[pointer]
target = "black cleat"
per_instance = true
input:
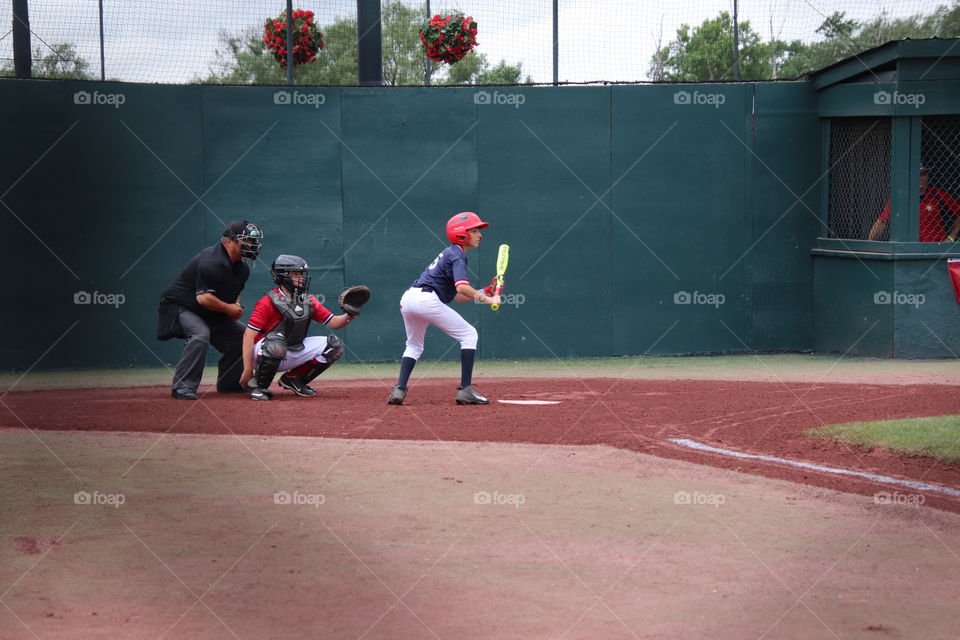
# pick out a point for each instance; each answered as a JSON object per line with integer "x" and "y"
{"x": 183, "y": 394}
{"x": 296, "y": 385}
{"x": 397, "y": 395}
{"x": 469, "y": 395}
{"x": 261, "y": 394}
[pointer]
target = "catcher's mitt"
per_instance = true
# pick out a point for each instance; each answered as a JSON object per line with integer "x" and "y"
{"x": 352, "y": 299}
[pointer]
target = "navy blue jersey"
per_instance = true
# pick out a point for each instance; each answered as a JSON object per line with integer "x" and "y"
{"x": 445, "y": 273}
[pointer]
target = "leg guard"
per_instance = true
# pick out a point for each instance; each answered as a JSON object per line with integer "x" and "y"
{"x": 334, "y": 349}
{"x": 331, "y": 353}
{"x": 272, "y": 352}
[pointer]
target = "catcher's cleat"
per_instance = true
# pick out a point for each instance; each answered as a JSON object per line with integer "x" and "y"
{"x": 261, "y": 394}
{"x": 296, "y": 385}
{"x": 397, "y": 395}
{"x": 469, "y": 395}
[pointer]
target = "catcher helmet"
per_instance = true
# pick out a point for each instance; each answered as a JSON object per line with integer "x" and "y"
{"x": 283, "y": 269}
{"x": 458, "y": 225}
{"x": 247, "y": 235}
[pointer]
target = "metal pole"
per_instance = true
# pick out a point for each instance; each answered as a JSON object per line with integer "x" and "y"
{"x": 556, "y": 42}
{"x": 103, "y": 67}
{"x": 369, "y": 45}
{"x": 736, "y": 44}
{"x": 426, "y": 75}
{"x": 290, "y": 61}
{"x": 22, "y": 58}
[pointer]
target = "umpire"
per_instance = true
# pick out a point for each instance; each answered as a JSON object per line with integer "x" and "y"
{"x": 203, "y": 306}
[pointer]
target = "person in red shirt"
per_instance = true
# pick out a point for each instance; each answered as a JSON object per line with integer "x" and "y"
{"x": 276, "y": 334}
{"x": 939, "y": 214}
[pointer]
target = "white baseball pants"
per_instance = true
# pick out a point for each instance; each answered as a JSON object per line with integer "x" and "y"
{"x": 420, "y": 309}
{"x": 312, "y": 347}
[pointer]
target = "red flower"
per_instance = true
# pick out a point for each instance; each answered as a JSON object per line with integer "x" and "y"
{"x": 448, "y": 38}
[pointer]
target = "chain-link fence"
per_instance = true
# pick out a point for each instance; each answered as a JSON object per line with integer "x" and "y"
{"x": 181, "y": 41}
{"x": 939, "y": 178}
{"x": 859, "y": 178}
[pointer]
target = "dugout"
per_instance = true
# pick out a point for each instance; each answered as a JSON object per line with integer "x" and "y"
{"x": 886, "y": 115}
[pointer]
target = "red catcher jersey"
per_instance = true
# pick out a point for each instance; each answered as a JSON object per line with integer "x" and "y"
{"x": 266, "y": 317}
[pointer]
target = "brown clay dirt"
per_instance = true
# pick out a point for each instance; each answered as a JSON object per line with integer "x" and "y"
{"x": 768, "y": 418}
{"x": 426, "y": 539}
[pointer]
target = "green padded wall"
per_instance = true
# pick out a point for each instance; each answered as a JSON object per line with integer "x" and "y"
{"x": 613, "y": 199}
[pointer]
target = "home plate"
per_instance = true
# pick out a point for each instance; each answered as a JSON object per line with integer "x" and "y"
{"x": 529, "y": 401}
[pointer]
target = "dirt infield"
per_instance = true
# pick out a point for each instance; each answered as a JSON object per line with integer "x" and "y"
{"x": 185, "y": 537}
{"x": 639, "y": 415}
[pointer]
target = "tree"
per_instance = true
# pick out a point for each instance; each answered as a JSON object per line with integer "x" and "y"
{"x": 61, "y": 62}
{"x": 475, "y": 69}
{"x": 244, "y": 59}
{"x": 844, "y": 38}
{"x": 705, "y": 53}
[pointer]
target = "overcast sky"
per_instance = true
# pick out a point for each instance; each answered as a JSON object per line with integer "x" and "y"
{"x": 174, "y": 40}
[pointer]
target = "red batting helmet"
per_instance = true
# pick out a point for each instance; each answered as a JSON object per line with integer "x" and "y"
{"x": 459, "y": 224}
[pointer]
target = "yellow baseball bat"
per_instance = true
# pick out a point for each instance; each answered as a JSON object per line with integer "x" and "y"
{"x": 503, "y": 257}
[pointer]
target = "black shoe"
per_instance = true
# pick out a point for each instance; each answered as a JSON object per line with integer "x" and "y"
{"x": 397, "y": 395}
{"x": 469, "y": 395}
{"x": 233, "y": 389}
{"x": 261, "y": 394}
{"x": 183, "y": 394}
{"x": 296, "y": 385}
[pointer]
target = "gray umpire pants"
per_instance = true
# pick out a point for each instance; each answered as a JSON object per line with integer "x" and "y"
{"x": 225, "y": 335}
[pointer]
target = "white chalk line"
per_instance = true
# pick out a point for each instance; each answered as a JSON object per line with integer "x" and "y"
{"x": 920, "y": 486}
{"x": 529, "y": 401}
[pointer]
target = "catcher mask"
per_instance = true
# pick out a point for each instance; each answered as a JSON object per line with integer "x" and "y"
{"x": 285, "y": 271}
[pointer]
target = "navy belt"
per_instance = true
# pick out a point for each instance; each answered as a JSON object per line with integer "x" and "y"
{"x": 428, "y": 289}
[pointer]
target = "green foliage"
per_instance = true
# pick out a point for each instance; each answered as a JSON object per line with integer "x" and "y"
{"x": 845, "y": 38}
{"x": 60, "y": 62}
{"x": 243, "y": 59}
{"x": 705, "y": 53}
{"x": 475, "y": 69}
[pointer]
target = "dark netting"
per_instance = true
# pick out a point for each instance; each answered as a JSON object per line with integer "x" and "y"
{"x": 859, "y": 176}
{"x": 940, "y": 177}
{"x": 183, "y": 41}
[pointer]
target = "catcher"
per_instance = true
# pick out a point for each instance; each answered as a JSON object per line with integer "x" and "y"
{"x": 276, "y": 334}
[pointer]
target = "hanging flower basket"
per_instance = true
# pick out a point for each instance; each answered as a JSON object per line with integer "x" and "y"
{"x": 307, "y": 39}
{"x": 449, "y": 38}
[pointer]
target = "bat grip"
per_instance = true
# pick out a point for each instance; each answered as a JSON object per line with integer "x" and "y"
{"x": 496, "y": 292}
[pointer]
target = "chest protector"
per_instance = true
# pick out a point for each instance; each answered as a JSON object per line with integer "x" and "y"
{"x": 296, "y": 318}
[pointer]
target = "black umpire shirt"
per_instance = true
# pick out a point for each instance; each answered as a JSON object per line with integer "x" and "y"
{"x": 209, "y": 271}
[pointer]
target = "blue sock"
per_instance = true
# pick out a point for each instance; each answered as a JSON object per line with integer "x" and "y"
{"x": 406, "y": 368}
{"x": 467, "y": 356}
